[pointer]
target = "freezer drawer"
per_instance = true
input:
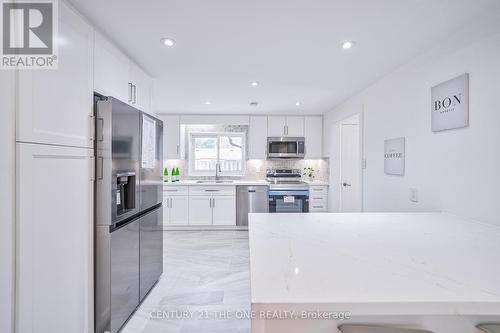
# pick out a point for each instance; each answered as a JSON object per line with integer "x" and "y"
{"x": 151, "y": 250}
{"x": 124, "y": 273}
{"x": 250, "y": 199}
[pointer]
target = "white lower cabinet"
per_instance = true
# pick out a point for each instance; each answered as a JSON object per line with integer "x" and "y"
{"x": 175, "y": 209}
{"x": 179, "y": 210}
{"x": 200, "y": 209}
{"x": 175, "y": 205}
{"x": 212, "y": 205}
{"x": 318, "y": 198}
{"x": 54, "y": 266}
{"x": 224, "y": 210}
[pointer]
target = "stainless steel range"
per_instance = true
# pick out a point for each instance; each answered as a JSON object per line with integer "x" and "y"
{"x": 287, "y": 192}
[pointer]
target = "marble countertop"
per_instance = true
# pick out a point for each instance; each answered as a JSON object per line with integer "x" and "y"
{"x": 375, "y": 263}
{"x": 234, "y": 182}
{"x": 213, "y": 183}
{"x": 316, "y": 182}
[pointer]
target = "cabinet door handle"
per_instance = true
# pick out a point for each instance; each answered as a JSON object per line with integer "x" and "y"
{"x": 130, "y": 92}
{"x": 177, "y": 149}
{"x": 214, "y": 203}
{"x": 171, "y": 202}
{"x": 134, "y": 89}
{"x": 210, "y": 203}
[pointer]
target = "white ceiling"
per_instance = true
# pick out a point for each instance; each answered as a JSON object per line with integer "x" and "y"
{"x": 290, "y": 46}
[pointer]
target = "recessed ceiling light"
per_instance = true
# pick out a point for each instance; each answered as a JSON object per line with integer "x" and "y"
{"x": 168, "y": 42}
{"x": 208, "y": 103}
{"x": 297, "y": 103}
{"x": 254, "y": 84}
{"x": 347, "y": 45}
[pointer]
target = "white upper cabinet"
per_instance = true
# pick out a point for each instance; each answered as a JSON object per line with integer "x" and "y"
{"x": 142, "y": 87}
{"x": 313, "y": 133}
{"x": 257, "y": 137}
{"x": 117, "y": 76}
{"x": 171, "y": 137}
{"x": 292, "y": 126}
{"x": 111, "y": 70}
{"x": 295, "y": 126}
{"x": 276, "y": 126}
{"x": 54, "y": 106}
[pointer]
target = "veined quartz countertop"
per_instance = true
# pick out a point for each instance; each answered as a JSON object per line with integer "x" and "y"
{"x": 233, "y": 182}
{"x": 375, "y": 263}
{"x": 214, "y": 183}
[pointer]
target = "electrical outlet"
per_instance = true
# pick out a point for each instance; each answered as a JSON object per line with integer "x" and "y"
{"x": 413, "y": 195}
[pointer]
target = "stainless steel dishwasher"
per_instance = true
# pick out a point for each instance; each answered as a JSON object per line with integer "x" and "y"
{"x": 250, "y": 199}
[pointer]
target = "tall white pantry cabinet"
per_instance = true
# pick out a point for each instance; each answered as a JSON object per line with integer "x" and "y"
{"x": 54, "y": 187}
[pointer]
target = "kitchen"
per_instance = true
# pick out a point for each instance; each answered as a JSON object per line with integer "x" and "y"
{"x": 266, "y": 166}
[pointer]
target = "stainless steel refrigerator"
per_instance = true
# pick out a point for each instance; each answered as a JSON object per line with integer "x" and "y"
{"x": 128, "y": 210}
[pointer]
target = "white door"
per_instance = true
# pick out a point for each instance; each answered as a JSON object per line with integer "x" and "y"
{"x": 313, "y": 133}
{"x": 179, "y": 210}
{"x": 54, "y": 239}
{"x": 200, "y": 209}
{"x": 111, "y": 70}
{"x": 141, "y": 98}
{"x": 276, "y": 126}
{"x": 55, "y": 105}
{"x": 171, "y": 137}
{"x": 257, "y": 137}
{"x": 295, "y": 126}
{"x": 224, "y": 210}
{"x": 350, "y": 167}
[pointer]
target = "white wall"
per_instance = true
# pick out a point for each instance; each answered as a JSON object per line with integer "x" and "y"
{"x": 7, "y": 163}
{"x": 456, "y": 171}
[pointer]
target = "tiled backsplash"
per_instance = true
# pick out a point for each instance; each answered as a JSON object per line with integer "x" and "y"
{"x": 256, "y": 169}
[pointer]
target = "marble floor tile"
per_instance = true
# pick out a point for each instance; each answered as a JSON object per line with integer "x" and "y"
{"x": 204, "y": 286}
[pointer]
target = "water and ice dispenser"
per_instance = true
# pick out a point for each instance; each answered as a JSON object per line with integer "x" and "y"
{"x": 125, "y": 192}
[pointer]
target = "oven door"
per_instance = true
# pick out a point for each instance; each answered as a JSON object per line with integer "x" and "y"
{"x": 286, "y": 201}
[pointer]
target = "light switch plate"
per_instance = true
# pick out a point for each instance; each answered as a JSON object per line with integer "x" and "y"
{"x": 413, "y": 195}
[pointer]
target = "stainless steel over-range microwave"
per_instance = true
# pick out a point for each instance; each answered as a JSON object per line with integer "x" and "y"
{"x": 285, "y": 147}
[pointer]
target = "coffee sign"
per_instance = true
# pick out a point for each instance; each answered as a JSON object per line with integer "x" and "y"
{"x": 450, "y": 104}
{"x": 394, "y": 156}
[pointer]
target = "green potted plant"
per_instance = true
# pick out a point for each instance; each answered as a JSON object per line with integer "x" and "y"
{"x": 309, "y": 173}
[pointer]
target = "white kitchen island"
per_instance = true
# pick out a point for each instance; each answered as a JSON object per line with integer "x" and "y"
{"x": 425, "y": 270}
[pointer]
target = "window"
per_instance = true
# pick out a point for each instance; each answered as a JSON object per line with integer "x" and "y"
{"x": 208, "y": 149}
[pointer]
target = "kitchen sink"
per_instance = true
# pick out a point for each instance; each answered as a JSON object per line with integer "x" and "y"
{"x": 214, "y": 181}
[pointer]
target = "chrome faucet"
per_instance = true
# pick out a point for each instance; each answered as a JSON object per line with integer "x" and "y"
{"x": 217, "y": 171}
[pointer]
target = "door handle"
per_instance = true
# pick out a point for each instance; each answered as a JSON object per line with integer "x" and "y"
{"x": 345, "y": 184}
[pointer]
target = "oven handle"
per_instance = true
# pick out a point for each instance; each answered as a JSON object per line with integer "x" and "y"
{"x": 288, "y": 193}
